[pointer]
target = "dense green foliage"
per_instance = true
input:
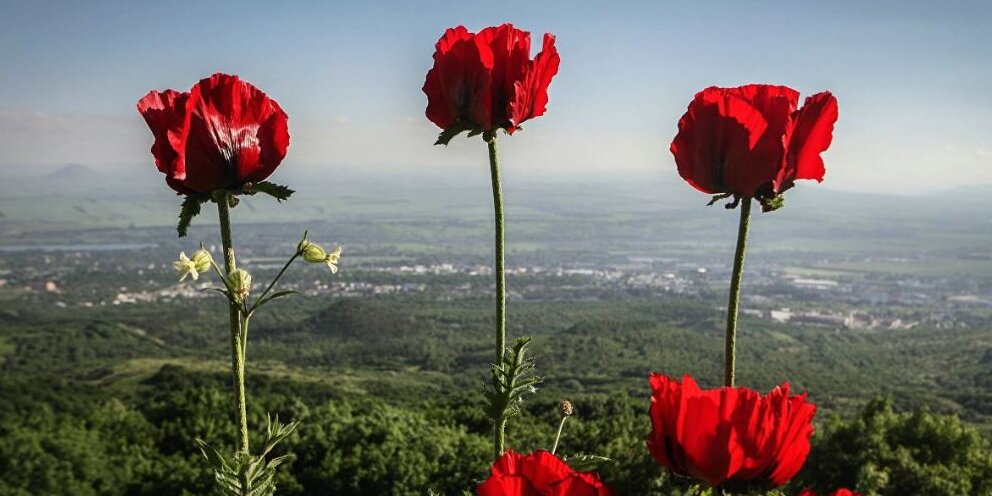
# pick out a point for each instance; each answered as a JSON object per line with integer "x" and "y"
{"x": 60, "y": 440}
{"x": 389, "y": 392}
{"x": 888, "y": 453}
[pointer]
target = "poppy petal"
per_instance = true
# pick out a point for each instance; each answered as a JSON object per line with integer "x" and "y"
{"x": 487, "y": 81}
{"x": 441, "y": 110}
{"x": 729, "y": 434}
{"x": 234, "y": 134}
{"x": 539, "y": 474}
{"x": 165, "y": 112}
{"x": 530, "y": 97}
{"x": 712, "y": 148}
{"x": 811, "y": 135}
{"x": 783, "y": 145}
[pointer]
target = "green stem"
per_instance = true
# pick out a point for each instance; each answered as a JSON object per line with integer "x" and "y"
{"x": 274, "y": 281}
{"x": 237, "y": 327}
{"x": 500, "y": 250}
{"x": 735, "y": 294}
{"x": 499, "y": 426}
{"x": 558, "y": 436}
{"x": 499, "y": 438}
{"x": 244, "y": 352}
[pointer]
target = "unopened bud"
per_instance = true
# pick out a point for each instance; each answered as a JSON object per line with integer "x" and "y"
{"x": 202, "y": 260}
{"x": 312, "y": 252}
{"x": 565, "y": 408}
{"x": 302, "y": 245}
{"x": 239, "y": 282}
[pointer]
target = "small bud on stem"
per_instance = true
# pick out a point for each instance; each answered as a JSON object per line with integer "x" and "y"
{"x": 239, "y": 281}
{"x": 314, "y": 253}
{"x": 566, "y": 410}
{"x": 202, "y": 260}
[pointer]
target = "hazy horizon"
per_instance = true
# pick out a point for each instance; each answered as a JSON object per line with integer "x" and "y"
{"x": 454, "y": 174}
{"x": 913, "y": 106}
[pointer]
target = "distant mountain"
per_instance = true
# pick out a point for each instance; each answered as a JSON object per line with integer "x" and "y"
{"x": 75, "y": 180}
{"x": 88, "y": 196}
{"x": 972, "y": 192}
{"x": 75, "y": 172}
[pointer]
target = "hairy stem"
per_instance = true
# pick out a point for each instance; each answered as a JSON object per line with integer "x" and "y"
{"x": 734, "y": 302}
{"x": 499, "y": 438}
{"x": 244, "y": 354}
{"x": 238, "y": 325}
{"x": 499, "y": 425}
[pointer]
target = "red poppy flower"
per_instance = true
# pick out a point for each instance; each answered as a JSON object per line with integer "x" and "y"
{"x": 222, "y": 134}
{"x": 539, "y": 474}
{"x": 839, "y": 492}
{"x": 487, "y": 81}
{"x": 752, "y": 141}
{"x": 731, "y": 435}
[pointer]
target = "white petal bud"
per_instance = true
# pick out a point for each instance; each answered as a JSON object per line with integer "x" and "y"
{"x": 185, "y": 267}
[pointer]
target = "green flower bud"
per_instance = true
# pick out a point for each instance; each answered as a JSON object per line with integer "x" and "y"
{"x": 313, "y": 253}
{"x": 303, "y": 244}
{"x": 186, "y": 267}
{"x": 202, "y": 260}
{"x": 240, "y": 284}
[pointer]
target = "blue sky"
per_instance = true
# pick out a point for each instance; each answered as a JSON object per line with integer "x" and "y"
{"x": 914, "y": 79}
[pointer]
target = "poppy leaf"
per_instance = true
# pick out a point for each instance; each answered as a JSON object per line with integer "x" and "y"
{"x": 449, "y": 134}
{"x": 717, "y": 198}
{"x": 511, "y": 380}
{"x": 190, "y": 209}
{"x": 277, "y": 191}
{"x": 583, "y": 462}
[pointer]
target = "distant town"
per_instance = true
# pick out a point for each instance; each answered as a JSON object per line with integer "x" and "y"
{"x": 803, "y": 291}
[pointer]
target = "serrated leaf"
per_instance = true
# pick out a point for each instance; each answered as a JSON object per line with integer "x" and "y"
{"x": 511, "y": 379}
{"x": 454, "y": 130}
{"x": 277, "y": 191}
{"x": 583, "y": 462}
{"x": 190, "y": 208}
{"x": 214, "y": 457}
{"x": 250, "y": 475}
{"x": 717, "y": 198}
